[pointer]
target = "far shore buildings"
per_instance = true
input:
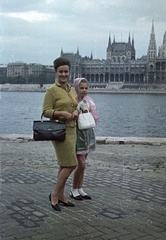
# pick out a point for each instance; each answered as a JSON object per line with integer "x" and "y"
{"x": 119, "y": 67}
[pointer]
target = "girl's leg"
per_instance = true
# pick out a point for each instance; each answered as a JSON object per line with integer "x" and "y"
{"x": 77, "y": 190}
{"x": 79, "y": 172}
{"x": 80, "y": 184}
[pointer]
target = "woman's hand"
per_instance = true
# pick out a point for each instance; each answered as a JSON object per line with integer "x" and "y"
{"x": 68, "y": 116}
{"x": 75, "y": 114}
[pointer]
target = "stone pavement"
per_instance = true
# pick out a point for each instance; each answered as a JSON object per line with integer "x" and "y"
{"x": 127, "y": 182}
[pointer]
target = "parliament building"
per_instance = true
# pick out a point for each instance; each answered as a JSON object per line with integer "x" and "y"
{"x": 121, "y": 67}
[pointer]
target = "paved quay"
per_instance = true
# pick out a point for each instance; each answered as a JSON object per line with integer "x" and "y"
{"x": 126, "y": 178}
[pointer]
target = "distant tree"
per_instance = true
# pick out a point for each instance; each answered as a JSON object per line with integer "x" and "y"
{"x": 4, "y": 79}
{"x": 42, "y": 79}
{"x": 50, "y": 78}
{"x": 31, "y": 79}
{"x": 20, "y": 80}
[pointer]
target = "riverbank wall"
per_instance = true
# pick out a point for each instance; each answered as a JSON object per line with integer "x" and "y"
{"x": 38, "y": 88}
{"x": 99, "y": 139}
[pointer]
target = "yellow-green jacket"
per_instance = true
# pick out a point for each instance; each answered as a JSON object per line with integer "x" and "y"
{"x": 58, "y": 99}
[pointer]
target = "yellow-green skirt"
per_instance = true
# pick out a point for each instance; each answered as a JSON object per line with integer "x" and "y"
{"x": 66, "y": 150}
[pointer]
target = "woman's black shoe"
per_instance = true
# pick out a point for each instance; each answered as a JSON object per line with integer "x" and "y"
{"x": 56, "y": 206}
{"x": 50, "y": 197}
{"x": 66, "y": 204}
{"x": 77, "y": 197}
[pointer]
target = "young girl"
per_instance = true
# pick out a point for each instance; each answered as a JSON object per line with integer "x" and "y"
{"x": 86, "y": 141}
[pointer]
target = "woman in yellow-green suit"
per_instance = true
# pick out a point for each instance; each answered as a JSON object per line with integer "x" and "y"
{"x": 60, "y": 103}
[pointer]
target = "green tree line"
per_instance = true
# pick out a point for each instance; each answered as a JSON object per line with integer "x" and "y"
{"x": 31, "y": 79}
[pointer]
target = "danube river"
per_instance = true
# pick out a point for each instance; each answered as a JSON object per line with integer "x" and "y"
{"x": 121, "y": 115}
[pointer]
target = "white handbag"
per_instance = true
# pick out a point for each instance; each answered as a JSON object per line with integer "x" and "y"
{"x": 85, "y": 120}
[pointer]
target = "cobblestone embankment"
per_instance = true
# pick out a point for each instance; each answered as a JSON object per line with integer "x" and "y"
{"x": 125, "y": 177}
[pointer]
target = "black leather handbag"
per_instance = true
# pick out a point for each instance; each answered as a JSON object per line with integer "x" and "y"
{"x": 49, "y": 130}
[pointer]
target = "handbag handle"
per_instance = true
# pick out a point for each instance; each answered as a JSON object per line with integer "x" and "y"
{"x": 56, "y": 120}
{"x": 81, "y": 111}
{"x": 42, "y": 115}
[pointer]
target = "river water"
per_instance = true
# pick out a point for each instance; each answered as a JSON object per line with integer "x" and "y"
{"x": 121, "y": 115}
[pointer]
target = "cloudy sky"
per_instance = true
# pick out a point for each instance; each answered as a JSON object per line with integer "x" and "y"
{"x": 34, "y": 31}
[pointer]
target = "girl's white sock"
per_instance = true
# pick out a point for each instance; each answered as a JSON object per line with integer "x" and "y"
{"x": 81, "y": 192}
{"x": 75, "y": 192}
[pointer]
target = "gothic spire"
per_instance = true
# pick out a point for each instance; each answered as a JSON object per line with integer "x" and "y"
{"x": 114, "y": 38}
{"x": 162, "y": 49}
{"x": 129, "y": 41}
{"x": 91, "y": 57}
{"x": 61, "y": 51}
{"x": 164, "y": 39}
{"x": 133, "y": 41}
{"x": 152, "y": 49}
{"x": 109, "y": 41}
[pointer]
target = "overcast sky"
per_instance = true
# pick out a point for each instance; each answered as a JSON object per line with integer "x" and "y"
{"x": 34, "y": 31}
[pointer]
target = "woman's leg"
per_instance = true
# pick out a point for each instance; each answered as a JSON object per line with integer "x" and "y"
{"x": 58, "y": 193}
